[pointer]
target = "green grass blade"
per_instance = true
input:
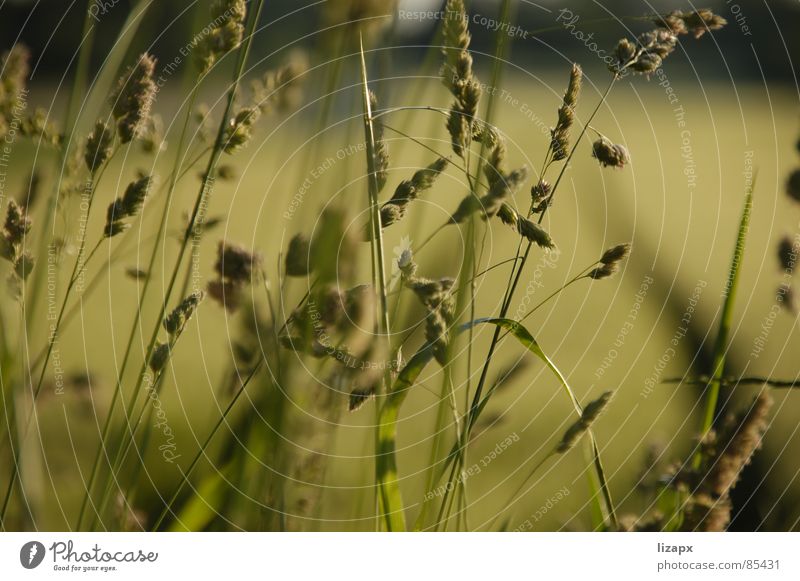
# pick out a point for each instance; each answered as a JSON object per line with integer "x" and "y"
{"x": 529, "y": 342}
{"x": 390, "y": 498}
{"x": 721, "y": 344}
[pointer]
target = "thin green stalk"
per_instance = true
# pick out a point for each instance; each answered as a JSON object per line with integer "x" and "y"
{"x": 136, "y": 319}
{"x": 477, "y": 399}
{"x": 78, "y": 85}
{"x": 185, "y": 475}
{"x": 204, "y": 192}
{"x": 390, "y": 504}
{"x": 726, "y": 320}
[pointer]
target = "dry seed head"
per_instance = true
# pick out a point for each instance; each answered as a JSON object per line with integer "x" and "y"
{"x": 697, "y": 22}
{"x": 228, "y": 18}
{"x": 235, "y": 264}
{"x": 407, "y": 191}
{"x": 159, "y": 357}
{"x": 502, "y": 189}
{"x": 458, "y": 128}
{"x": 495, "y": 165}
{"x": 15, "y": 70}
{"x": 226, "y": 172}
{"x": 660, "y": 42}
{"x": 468, "y": 206}
{"x": 134, "y": 96}
{"x": 240, "y": 129}
{"x": 17, "y": 224}
{"x": 226, "y": 293}
{"x": 705, "y": 513}
{"x": 653, "y": 48}
{"x": 737, "y": 446}
{"x": 229, "y": 10}
{"x": 423, "y": 179}
{"x": 793, "y": 185}
{"x": 610, "y": 154}
{"x": 436, "y": 335}
{"x": 616, "y": 254}
{"x": 482, "y": 133}
{"x": 23, "y": 265}
{"x": 175, "y": 322}
{"x": 390, "y": 213}
{"x": 407, "y": 266}
{"x": 98, "y": 146}
{"x": 456, "y": 32}
{"x": 787, "y": 254}
{"x": 647, "y": 64}
{"x": 152, "y": 135}
{"x": 785, "y": 296}
{"x": 625, "y": 53}
{"x": 534, "y": 233}
{"x": 126, "y": 206}
{"x": 603, "y": 271}
{"x": 539, "y": 191}
{"x": 590, "y": 414}
{"x": 298, "y": 262}
{"x": 431, "y": 293}
{"x": 508, "y": 215}
{"x": 566, "y": 115}
{"x": 135, "y": 273}
{"x": 381, "y": 147}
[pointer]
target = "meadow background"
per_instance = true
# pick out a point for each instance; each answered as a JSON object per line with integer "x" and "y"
{"x": 727, "y": 108}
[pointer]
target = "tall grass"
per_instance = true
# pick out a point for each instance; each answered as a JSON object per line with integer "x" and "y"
{"x": 316, "y": 327}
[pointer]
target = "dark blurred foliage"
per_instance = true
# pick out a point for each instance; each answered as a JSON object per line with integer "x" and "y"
{"x": 52, "y": 29}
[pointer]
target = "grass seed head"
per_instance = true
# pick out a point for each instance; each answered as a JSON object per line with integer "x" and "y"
{"x": 235, "y": 264}
{"x": 127, "y": 206}
{"x": 508, "y": 215}
{"x": 534, "y": 233}
{"x": 298, "y": 262}
{"x": 228, "y": 17}
{"x": 566, "y": 115}
{"x": 133, "y": 97}
{"x": 175, "y": 322}
{"x": 697, "y": 22}
{"x": 381, "y": 147}
{"x": 159, "y": 357}
{"x": 98, "y": 146}
{"x": 785, "y": 297}
{"x": 239, "y": 130}
{"x": 494, "y": 168}
{"x": 603, "y": 271}
{"x": 793, "y": 185}
{"x": 740, "y": 439}
{"x": 616, "y": 254}
{"x": 610, "y": 154}
{"x": 590, "y": 414}
{"x": 787, "y": 254}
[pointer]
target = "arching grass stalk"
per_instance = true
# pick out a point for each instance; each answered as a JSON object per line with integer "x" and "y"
{"x": 476, "y": 407}
{"x": 185, "y": 475}
{"x": 206, "y": 188}
{"x": 174, "y": 178}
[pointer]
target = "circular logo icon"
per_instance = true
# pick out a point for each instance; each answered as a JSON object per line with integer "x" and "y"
{"x": 31, "y": 554}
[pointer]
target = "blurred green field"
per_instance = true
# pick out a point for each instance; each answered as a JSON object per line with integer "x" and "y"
{"x": 678, "y": 203}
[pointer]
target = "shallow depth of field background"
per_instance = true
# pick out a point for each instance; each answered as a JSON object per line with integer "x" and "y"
{"x": 678, "y": 202}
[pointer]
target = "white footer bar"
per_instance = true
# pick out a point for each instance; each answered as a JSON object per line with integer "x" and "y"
{"x": 385, "y": 557}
